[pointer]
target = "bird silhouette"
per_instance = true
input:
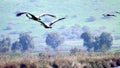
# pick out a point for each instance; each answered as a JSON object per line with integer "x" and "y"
{"x": 33, "y": 17}
{"x": 109, "y": 15}
{"x": 117, "y": 12}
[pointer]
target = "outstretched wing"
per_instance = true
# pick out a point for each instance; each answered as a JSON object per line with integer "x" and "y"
{"x": 21, "y": 13}
{"x": 47, "y": 15}
{"x": 29, "y": 15}
{"x": 56, "y": 21}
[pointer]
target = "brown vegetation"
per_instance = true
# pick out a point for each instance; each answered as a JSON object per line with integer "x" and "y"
{"x": 91, "y": 60}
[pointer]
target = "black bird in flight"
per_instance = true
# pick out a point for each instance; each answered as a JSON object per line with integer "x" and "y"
{"x": 109, "y": 15}
{"x": 118, "y": 12}
{"x": 31, "y": 16}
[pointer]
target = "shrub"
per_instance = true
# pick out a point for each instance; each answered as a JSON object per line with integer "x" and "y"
{"x": 54, "y": 40}
{"x": 5, "y": 45}
{"x": 16, "y": 46}
{"x": 26, "y": 41}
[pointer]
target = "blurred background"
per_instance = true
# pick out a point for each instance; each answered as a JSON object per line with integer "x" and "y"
{"x": 81, "y": 16}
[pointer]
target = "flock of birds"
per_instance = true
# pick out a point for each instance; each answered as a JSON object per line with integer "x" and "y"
{"x": 38, "y": 19}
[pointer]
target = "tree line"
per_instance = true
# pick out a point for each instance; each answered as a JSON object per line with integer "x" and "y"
{"x": 97, "y": 43}
{"x": 25, "y": 43}
{"x": 100, "y": 43}
{"x": 54, "y": 39}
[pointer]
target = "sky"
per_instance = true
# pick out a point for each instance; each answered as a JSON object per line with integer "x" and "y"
{"x": 77, "y": 12}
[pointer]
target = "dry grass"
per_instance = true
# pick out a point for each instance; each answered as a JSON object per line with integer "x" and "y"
{"x": 80, "y": 60}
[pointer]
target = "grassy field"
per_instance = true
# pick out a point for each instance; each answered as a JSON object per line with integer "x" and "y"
{"x": 78, "y": 60}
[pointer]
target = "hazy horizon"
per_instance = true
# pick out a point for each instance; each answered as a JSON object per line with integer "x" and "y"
{"x": 85, "y": 13}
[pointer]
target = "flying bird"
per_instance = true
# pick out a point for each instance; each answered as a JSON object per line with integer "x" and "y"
{"x": 109, "y": 15}
{"x": 118, "y": 12}
{"x": 31, "y": 16}
{"x": 50, "y": 25}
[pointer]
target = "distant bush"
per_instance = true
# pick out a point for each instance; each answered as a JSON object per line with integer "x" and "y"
{"x": 104, "y": 42}
{"x": 5, "y": 45}
{"x": 25, "y": 43}
{"x": 99, "y": 43}
{"x": 88, "y": 40}
{"x": 54, "y": 39}
{"x": 16, "y": 46}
